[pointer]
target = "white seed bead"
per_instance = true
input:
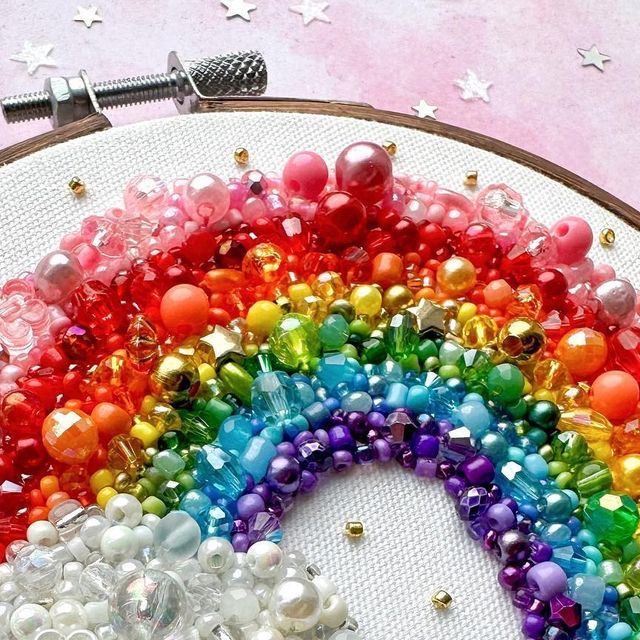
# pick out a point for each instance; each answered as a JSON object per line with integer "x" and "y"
{"x": 264, "y": 559}
{"x": 42, "y": 532}
{"x": 6, "y": 610}
{"x": 266, "y": 633}
{"x": 78, "y": 549}
{"x": 124, "y": 509}
{"x": 82, "y": 634}
{"x": 92, "y": 530}
{"x": 206, "y": 623}
{"x": 67, "y": 616}
{"x": 28, "y": 619}
{"x": 72, "y": 571}
{"x": 97, "y": 612}
{"x": 239, "y": 605}
{"x": 118, "y": 543}
{"x": 144, "y": 536}
{"x": 334, "y": 611}
{"x": 215, "y": 555}
{"x": 326, "y": 588}
{"x": 150, "y": 520}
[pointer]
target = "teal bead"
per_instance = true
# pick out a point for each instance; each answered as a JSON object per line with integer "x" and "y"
{"x": 396, "y": 395}
{"x": 334, "y": 332}
{"x": 221, "y": 470}
{"x": 586, "y": 538}
{"x": 335, "y": 369}
{"x": 357, "y": 401}
{"x": 537, "y": 466}
{"x": 505, "y": 383}
{"x": 570, "y": 558}
{"x": 197, "y": 504}
{"x": 234, "y": 433}
{"x": 316, "y": 414}
{"x": 587, "y": 590}
{"x": 417, "y": 398}
{"x": 305, "y": 393}
{"x": 275, "y": 397}
{"x": 556, "y": 506}
{"x": 543, "y": 415}
{"x": 516, "y": 454}
{"x": 593, "y": 553}
{"x": 494, "y": 446}
{"x": 473, "y": 415}
{"x": 619, "y": 631}
{"x": 169, "y": 463}
{"x": 516, "y": 481}
{"x": 274, "y": 433}
{"x": 555, "y": 534}
{"x": 219, "y": 523}
{"x": 256, "y": 457}
{"x": 537, "y": 436}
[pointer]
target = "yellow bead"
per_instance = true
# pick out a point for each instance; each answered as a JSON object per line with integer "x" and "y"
{"x": 441, "y": 599}
{"x": 241, "y": 156}
{"x": 148, "y": 403}
{"x": 251, "y": 349}
{"x": 626, "y": 474}
{"x": 367, "y": 300}
{"x": 544, "y": 394}
{"x": 607, "y": 237}
{"x": 471, "y": 179}
{"x": 396, "y": 298}
{"x": 104, "y": 495}
{"x": 479, "y": 331}
{"x": 328, "y": 286}
{"x": 466, "y": 312}
{"x": 527, "y": 387}
{"x": 573, "y": 396}
{"x": 588, "y": 423}
{"x": 145, "y": 432}
{"x": 390, "y": 147}
{"x": 551, "y": 374}
{"x": 262, "y": 317}
{"x": 522, "y": 339}
{"x": 354, "y": 529}
{"x": 100, "y": 479}
{"x": 297, "y": 292}
{"x": 77, "y": 186}
{"x": 206, "y": 372}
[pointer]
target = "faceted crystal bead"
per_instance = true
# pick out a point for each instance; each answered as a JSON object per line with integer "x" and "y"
{"x": 473, "y": 503}
{"x": 592, "y": 477}
{"x": 516, "y": 481}
{"x": 335, "y": 369}
{"x": 570, "y": 447}
{"x": 398, "y": 427}
{"x": 612, "y": 517}
{"x": 69, "y": 435}
{"x": 401, "y": 338}
{"x": 219, "y": 522}
{"x": 588, "y": 423}
{"x": 36, "y": 568}
{"x": 275, "y": 397}
{"x": 124, "y": 453}
{"x": 565, "y": 612}
{"x": 295, "y": 340}
{"x": 221, "y": 470}
{"x": 630, "y": 612}
{"x": 264, "y": 526}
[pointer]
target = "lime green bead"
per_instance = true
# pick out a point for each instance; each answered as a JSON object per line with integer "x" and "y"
{"x": 431, "y": 363}
{"x": 154, "y": 476}
{"x": 410, "y": 363}
{"x": 593, "y": 477}
{"x": 149, "y": 487}
{"x": 556, "y": 468}
{"x": 546, "y": 452}
{"x": 613, "y": 517}
{"x": 349, "y": 351}
{"x": 360, "y": 328}
{"x": 295, "y": 340}
{"x": 154, "y": 505}
{"x": 185, "y": 480}
{"x": 570, "y": 447}
{"x": 505, "y": 383}
{"x": 237, "y": 381}
{"x": 449, "y": 371}
{"x": 564, "y": 480}
{"x": 401, "y": 339}
{"x": 611, "y": 571}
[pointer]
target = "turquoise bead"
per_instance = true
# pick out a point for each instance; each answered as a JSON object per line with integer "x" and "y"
{"x": 537, "y": 466}
{"x": 587, "y": 590}
{"x": 274, "y": 433}
{"x": 586, "y": 538}
{"x": 619, "y": 631}
{"x": 221, "y": 470}
{"x": 357, "y": 401}
{"x": 516, "y": 454}
{"x": 417, "y": 398}
{"x": 570, "y": 558}
{"x": 305, "y": 392}
{"x": 516, "y": 481}
{"x": 396, "y": 395}
{"x": 334, "y": 331}
{"x": 494, "y": 446}
{"x": 556, "y": 506}
{"x": 336, "y": 368}
{"x": 316, "y": 414}
{"x": 275, "y": 397}
{"x": 234, "y": 433}
{"x": 473, "y": 397}
{"x": 169, "y": 463}
{"x": 256, "y": 457}
{"x": 573, "y": 496}
{"x": 473, "y": 415}
{"x": 593, "y": 553}
{"x": 556, "y": 534}
{"x": 220, "y": 522}
{"x": 197, "y": 504}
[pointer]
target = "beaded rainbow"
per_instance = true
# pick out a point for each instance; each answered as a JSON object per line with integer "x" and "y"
{"x": 181, "y": 369}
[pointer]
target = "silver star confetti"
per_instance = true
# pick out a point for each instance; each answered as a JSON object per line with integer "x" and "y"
{"x": 34, "y": 57}
{"x": 88, "y": 15}
{"x": 429, "y": 317}
{"x": 238, "y": 8}
{"x": 472, "y": 88}
{"x": 425, "y": 110}
{"x": 221, "y": 344}
{"x": 593, "y": 57}
{"x": 311, "y": 10}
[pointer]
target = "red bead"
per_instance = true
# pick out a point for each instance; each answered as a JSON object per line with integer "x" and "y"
{"x": 7, "y": 470}
{"x": 624, "y": 349}
{"x": 55, "y": 358}
{"x": 364, "y": 170}
{"x": 77, "y": 343}
{"x": 477, "y": 243}
{"x": 355, "y": 265}
{"x": 405, "y": 235}
{"x": 340, "y": 220}
{"x": 30, "y": 455}
{"x": 553, "y": 287}
{"x": 199, "y": 246}
{"x": 97, "y": 307}
{"x": 22, "y": 413}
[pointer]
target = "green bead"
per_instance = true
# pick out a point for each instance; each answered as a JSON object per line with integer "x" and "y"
{"x": 564, "y": 480}
{"x": 546, "y": 452}
{"x": 334, "y": 331}
{"x": 237, "y": 381}
{"x": 592, "y": 477}
{"x": 426, "y": 349}
{"x": 431, "y": 363}
{"x": 449, "y": 352}
{"x": 630, "y": 612}
{"x": 505, "y": 383}
{"x": 349, "y": 351}
{"x": 517, "y": 409}
{"x": 410, "y": 363}
{"x": 154, "y": 505}
{"x": 201, "y": 429}
{"x": 537, "y": 436}
{"x": 630, "y": 551}
{"x": 401, "y": 339}
{"x": 295, "y": 340}
{"x": 148, "y": 486}
{"x": 612, "y": 517}
{"x": 570, "y": 447}
{"x": 556, "y": 468}
{"x": 360, "y": 327}
{"x": 154, "y": 476}
{"x": 610, "y": 571}
{"x": 449, "y": 371}
{"x": 373, "y": 351}
{"x": 215, "y": 413}
{"x": 169, "y": 492}
{"x": 544, "y": 415}
{"x": 185, "y": 480}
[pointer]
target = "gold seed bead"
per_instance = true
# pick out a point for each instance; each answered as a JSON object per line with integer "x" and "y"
{"x": 77, "y": 186}
{"x": 390, "y": 147}
{"x": 471, "y": 179}
{"x": 354, "y": 529}
{"x": 241, "y": 156}
{"x": 607, "y": 237}
{"x": 441, "y": 599}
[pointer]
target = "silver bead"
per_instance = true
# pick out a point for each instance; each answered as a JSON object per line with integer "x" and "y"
{"x": 617, "y": 303}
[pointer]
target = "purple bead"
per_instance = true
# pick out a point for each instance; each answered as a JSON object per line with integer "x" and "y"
{"x": 281, "y": 503}
{"x": 308, "y": 481}
{"x": 342, "y": 460}
{"x": 477, "y": 469}
{"x": 404, "y": 456}
{"x": 263, "y": 526}
{"x": 511, "y": 503}
{"x": 540, "y": 551}
{"x": 424, "y": 445}
{"x": 398, "y": 427}
{"x": 283, "y": 474}
{"x": 473, "y": 502}
{"x": 365, "y": 454}
{"x": 445, "y": 470}
{"x": 314, "y": 456}
{"x": 522, "y": 598}
{"x": 533, "y": 625}
{"x": 250, "y": 482}
{"x": 375, "y": 420}
{"x": 444, "y": 426}
{"x": 340, "y": 438}
{"x": 513, "y": 546}
{"x": 240, "y": 542}
{"x": 490, "y": 539}
{"x": 426, "y": 467}
{"x": 286, "y": 449}
{"x": 382, "y": 450}
{"x": 547, "y": 579}
{"x": 239, "y": 526}
{"x": 500, "y": 518}
{"x": 322, "y": 436}
{"x": 249, "y": 504}
{"x": 454, "y": 486}
{"x": 263, "y": 491}
{"x": 476, "y": 529}
{"x": 565, "y": 612}
{"x": 358, "y": 424}
{"x": 302, "y": 437}
{"x": 538, "y": 607}
{"x": 510, "y": 577}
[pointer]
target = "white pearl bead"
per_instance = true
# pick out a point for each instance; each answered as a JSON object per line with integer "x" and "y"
{"x": 264, "y": 559}
{"x": 72, "y": 571}
{"x": 97, "y": 612}
{"x": 326, "y": 588}
{"x": 118, "y": 543}
{"x": 239, "y": 605}
{"x": 9, "y": 591}
{"x": 49, "y": 634}
{"x": 150, "y": 520}
{"x": 334, "y": 611}
{"x": 215, "y": 555}
{"x": 28, "y": 619}
{"x": 6, "y": 572}
{"x": 42, "y": 532}
{"x": 124, "y": 509}
{"x": 6, "y": 610}
{"x": 266, "y": 633}
{"x": 92, "y": 530}
{"x": 144, "y": 536}
{"x": 78, "y": 549}
{"x": 82, "y": 634}
{"x": 295, "y": 605}
{"x": 67, "y": 616}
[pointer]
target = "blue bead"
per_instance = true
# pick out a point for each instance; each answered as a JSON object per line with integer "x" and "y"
{"x": 357, "y": 401}
{"x": 275, "y": 397}
{"x": 517, "y": 482}
{"x": 396, "y": 396}
{"x": 586, "y": 537}
{"x": 197, "y": 504}
{"x": 571, "y": 558}
{"x": 234, "y": 433}
{"x": 417, "y": 398}
{"x": 331, "y": 404}
{"x": 256, "y": 457}
{"x": 473, "y": 415}
{"x": 610, "y": 595}
{"x": 274, "y": 433}
{"x": 306, "y": 393}
{"x": 221, "y": 470}
{"x": 556, "y": 534}
{"x": 336, "y": 368}
{"x": 574, "y": 524}
{"x": 220, "y": 522}
{"x": 537, "y": 466}
{"x": 360, "y": 382}
{"x": 620, "y": 631}
{"x": 473, "y": 397}
{"x": 573, "y": 496}
{"x": 529, "y": 510}
{"x": 587, "y": 590}
{"x": 316, "y": 414}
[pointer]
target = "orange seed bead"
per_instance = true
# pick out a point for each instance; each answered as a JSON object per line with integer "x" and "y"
{"x": 56, "y": 498}
{"x": 49, "y": 484}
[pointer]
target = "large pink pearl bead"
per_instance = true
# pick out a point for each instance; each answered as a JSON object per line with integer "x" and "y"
{"x": 206, "y": 198}
{"x": 573, "y": 237}
{"x": 363, "y": 169}
{"x": 305, "y": 174}
{"x": 57, "y": 275}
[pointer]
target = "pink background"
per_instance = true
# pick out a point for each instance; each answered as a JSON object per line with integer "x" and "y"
{"x": 389, "y": 53}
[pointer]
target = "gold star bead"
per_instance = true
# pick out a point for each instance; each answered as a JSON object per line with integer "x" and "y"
{"x": 607, "y": 237}
{"x": 429, "y": 316}
{"x": 441, "y": 599}
{"x": 471, "y": 179}
{"x": 241, "y": 156}
{"x": 220, "y": 345}
{"x": 77, "y": 186}
{"x": 390, "y": 147}
{"x": 354, "y": 529}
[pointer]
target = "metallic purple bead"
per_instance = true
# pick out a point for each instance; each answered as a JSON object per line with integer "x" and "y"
{"x": 281, "y": 502}
{"x": 283, "y": 474}
{"x": 511, "y": 503}
{"x": 538, "y": 607}
{"x": 445, "y": 470}
{"x": 340, "y": 438}
{"x": 522, "y": 598}
{"x": 424, "y": 445}
{"x": 382, "y": 450}
{"x": 308, "y": 481}
{"x": 342, "y": 460}
{"x": 375, "y": 420}
{"x": 239, "y": 526}
{"x": 404, "y": 456}
{"x": 398, "y": 427}
{"x": 371, "y": 436}
{"x": 455, "y": 486}
{"x": 263, "y": 491}
{"x": 513, "y": 546}
{"x": 565, "y": 612}
{"x": 365, "y": 454}
{"x": 322, "y": 436}
{"x": 510, "y": 577}
{"x": 285, "y": 449}
{"x": 302, "y": 437}
{"x": 426, "y": 467}
{"x": 547, "y": 579}
{"x": 240, "y": 542}
{"x": 476, "y": 529}
{"x": 314, "y": 456}
{"x": 473, "y": 502}
{"x": 540, "y": 551}
{"x": 249, "y": 504}
{"x": 500, "y": 518}
{"x": 533, "y": 625}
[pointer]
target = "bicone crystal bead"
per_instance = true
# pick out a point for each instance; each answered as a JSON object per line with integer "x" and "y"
{"x": 221, "y": 470}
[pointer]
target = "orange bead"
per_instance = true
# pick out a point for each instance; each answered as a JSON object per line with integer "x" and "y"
{"x": 387, "y": 269}
{"x": 456, "y": 276}
{"x": 49, "y": 485}
{"x": 223, "y": 280}
{"x": 38, "y": 513}
{"x": 184, "y": 309}
{"x": 73, "y": 403}
{"x": 615, "y": 394}
{"x": 583, "y": 351}
{"x": 625, "y": 437}
{"x": 111, "y": 420}
{"x": 56, "y": 498}
{"x": 69, "y": 435}
{"x": 498, "y": 294}
{"x": 219, "y": 316}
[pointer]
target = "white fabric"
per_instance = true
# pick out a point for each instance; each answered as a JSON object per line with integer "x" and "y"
{"x": 414, "y": 542}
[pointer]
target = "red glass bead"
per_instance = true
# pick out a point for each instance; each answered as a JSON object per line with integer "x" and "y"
{"x": 553, "y": 287}
{"x": 364, "y": 170}
{"x": 355, "y": 265}
{"x": 12, "y": 528}
{"x": 30, "y": 455}
{"x": 77, "y": 343}
{"x": 379, "y": 241}
{"x": 477, "y": 243}
{"x": 405, "y": 235}
{"x": 97, "y": 307}
{"x": 22, "y": 413}
{"x": 55, "y": 358}
{"x": 7, "y": 469}
{"x": 199, "y": 246}
{"x": 340, "y": 220}
{"x": 624, "y": 349}
{"x": 433, "y": 235}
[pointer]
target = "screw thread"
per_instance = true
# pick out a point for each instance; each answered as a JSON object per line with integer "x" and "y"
{"x": 150, "y": 88}
{"x": 26, "y": 106}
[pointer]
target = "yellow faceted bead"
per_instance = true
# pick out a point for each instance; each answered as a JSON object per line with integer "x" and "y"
{"x": 145, "y": 432}
{"x": 297, "y": 292}
{"x": 100, "y": 479}
{"x": 626, "y": 474}
{"x": 479, "y": 331}
{"x": 104, "y": 495}
{"x": 544, "y": 394}
{"x": 466, "y": 312}
{"x": 366, "y": 300}
{"x": 262, "y": 317}
{"x": 328, "y": 286}
{"x": 551, "y": 374}
{"x": 587, "y": 422}
{"x": 206, "y": 372}
{"x": 573, "y": 396}
{"x": 602, "y": 451}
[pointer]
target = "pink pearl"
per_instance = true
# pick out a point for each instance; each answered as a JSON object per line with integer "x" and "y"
{"x": 601, "y": 273}
{"x": 253, "y": 209}
{"x": 146, "y": 195}
{"x": 206, "y": 198}
{"x": 450, "y": 199}
{"x": 573, "y": 237}
{"x": 364, "y": 170}
{"x": 436, "y": 213}
{"x": 305, "y": 174}
{"x": 57, "y": 275}
{"x": 10, "y": 373}
{"x": 456, "y": 220}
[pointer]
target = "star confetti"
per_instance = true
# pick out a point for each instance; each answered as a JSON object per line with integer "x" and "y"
{"x": 311, "y": 10}
{"x": 222, "y": 344}
{"x": 238, "y": 8}
{"x": 593, "y": 57}
{"x": 425, "y": 110}
{"x": 34, "y": 57}
{"x": 429, "y": 317}
{"x": 88, "y": 15}
{"x": 472, "y": 88}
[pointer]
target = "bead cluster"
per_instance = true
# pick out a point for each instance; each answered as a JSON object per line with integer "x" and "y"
{"x": 203, "y": 356}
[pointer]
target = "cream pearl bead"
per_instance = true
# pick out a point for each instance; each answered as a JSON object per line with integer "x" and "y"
{"x": 118, "y": 543}
{"x": 124, "y": 509}
{"x": 267, "y": 633}
{"x": 334, "y": 611}
{"x": 239, "y": 605}
{"x": 264, "y": 558}
{"x": 27, "y": 620}
{"x": 144, "y": 536}
{"x": 295, "y": 605}
{"x": 42, "y": 532}
{"x": 215, "y": 555}
{"x": 68, "y": 615}
{"x": 326, "y": 588}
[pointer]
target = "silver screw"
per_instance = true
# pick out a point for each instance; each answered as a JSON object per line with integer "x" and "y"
{"x": 66, "y": 99}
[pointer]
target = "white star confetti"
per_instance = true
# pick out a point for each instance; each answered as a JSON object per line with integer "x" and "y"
{"x": 472, "y": 88}
{"x": 593, "y": 57}
{"x": 311, "y": 10}
{"x": 238, "y": 8}
{"x": 425, "y": 110}
{"x": 34, "y": 57}
{"x": 88, "y": 15}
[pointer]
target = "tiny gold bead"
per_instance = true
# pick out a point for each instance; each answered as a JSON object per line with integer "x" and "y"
{"x": 354, "y": 529}
{"x": 441, "y": 599}
{"x": 241, "y": 156}
{"x": 607, "y": 237}
{"x": 77, "y": 186}
{"x": 390, "y": 147}
{"x": 471, "y": 179}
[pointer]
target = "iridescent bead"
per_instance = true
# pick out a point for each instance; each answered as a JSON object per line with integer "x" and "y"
{"x": 69, "y": 435}
{"x": 57, "y": 275}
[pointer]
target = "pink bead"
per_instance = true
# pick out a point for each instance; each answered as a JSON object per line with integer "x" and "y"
{"x": 70, "y": 241}
{"x": 206, "y": 198}
{"x": 601, "y": 273}
{"x": 253, "y": 209}
{"x": 450, "y": 199}
{"x": 455, "y": 220}
{"x": 573, "y": 237}
{"x": 305, "y": 174}
{"x": 88, "y": 256}
{"x": 172, "y": 216}
{"x": 364, "y": 170}
{"x": 436, "y": 213}
{"x": 146, "y": 195}
{"x": 170, "y": 237}
{"x": 237, "y": 194}
{"x": 178, "y": 186}
{"x": 57, "y": 275}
